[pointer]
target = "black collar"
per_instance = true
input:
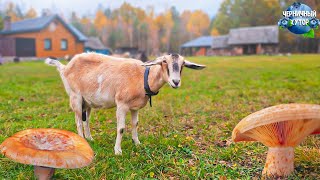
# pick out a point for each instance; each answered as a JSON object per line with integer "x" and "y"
{"x": 147, "y": 87}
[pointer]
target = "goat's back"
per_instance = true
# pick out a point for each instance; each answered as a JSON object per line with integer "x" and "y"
{"x": 87, "y": 72}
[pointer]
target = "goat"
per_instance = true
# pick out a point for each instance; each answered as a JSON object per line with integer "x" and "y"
{"x": 98, "y": 81}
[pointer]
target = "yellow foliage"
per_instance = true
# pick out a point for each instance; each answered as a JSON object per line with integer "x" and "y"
{"x": 32, "y": 13}
{"x": 214, "y": 32}
{"x": 10, "y": 11}
{"x": 100, "y": 20}
{"x": 198, "y": 22}
{"x": 85, "y": 21}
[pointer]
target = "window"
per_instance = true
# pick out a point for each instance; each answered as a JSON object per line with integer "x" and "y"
{"x": 64, "y": 44}
{"x": 47, "y": 44}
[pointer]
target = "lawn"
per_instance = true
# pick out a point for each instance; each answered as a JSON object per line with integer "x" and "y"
{"x": 185, "y": 135}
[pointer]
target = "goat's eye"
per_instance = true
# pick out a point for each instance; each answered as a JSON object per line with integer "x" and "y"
{"x": 165, "y": 62}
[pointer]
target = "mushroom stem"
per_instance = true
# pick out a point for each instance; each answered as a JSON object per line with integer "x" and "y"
{"x": 279, "y": 162}
{"x": 43, "y": 173}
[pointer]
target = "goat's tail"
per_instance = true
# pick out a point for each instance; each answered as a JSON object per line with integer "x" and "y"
{"x": 54, "y": 62}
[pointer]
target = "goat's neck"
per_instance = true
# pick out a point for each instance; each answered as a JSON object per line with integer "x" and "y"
{"x": 156, "y": 80}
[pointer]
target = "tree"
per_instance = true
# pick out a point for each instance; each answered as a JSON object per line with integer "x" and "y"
{"x": 11, "y": 11}
{"x": 136, "y": 27}
{"x": 165, "y": 24}
{"x": 198, "y": 23}
{"x": 175, "y": 37}
{"x": 75, "y": 21}
{"x": 31, "y": 13}
{"x": 214, "y": 32}
{"x": 153, "y": 37}
{"x": 100, "y": 20}
{"x": 1, "y": 23}
{"x": 244, "y": 13}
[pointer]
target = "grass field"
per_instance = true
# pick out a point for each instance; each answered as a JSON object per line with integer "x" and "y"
{"x": 185, "y": 135}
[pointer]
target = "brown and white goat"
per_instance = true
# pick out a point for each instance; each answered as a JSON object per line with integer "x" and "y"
{"x": 99, "y": 81}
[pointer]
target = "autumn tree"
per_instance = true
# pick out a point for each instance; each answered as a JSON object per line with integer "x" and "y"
{"x": 214, "y": 32}
{"x": 14, "y": 12}
{"x": 198, "y": 23}
{"x": 135, "y": 27}
{"x": 153, "y": 40}
{"x": 100, "y": 20}
{"x": 31, "y": 13}
{"x": 165, "y": 24}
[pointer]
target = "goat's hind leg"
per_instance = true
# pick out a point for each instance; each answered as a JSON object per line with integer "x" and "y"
{"x": 76, "y": 105}
{"x": 85, "y": 119}
{"x": 134, "y": 122}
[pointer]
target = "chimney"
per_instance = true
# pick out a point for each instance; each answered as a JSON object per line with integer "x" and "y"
{"x": 7, "y": 23}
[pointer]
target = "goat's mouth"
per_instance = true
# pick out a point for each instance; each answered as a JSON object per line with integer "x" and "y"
{"x": 173, "y": 86}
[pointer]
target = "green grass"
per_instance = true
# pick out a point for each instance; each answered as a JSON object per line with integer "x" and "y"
{"x": 183, "y": 133}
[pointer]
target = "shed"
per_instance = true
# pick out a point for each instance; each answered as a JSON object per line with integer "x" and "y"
{"x": 93, "y": 44}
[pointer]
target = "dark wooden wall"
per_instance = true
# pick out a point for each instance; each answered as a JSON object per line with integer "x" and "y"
{"x": 7, "y": 46}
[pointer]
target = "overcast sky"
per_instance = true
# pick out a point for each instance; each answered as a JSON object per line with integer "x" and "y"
{"x": 85, "y": 7}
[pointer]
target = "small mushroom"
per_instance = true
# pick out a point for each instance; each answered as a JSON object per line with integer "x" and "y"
{"x": 280, "y": 128}
{"x": 48, "y": 149}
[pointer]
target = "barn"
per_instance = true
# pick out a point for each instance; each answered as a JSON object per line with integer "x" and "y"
{"x": 40, "y": 37}
{"x": 239, "y": 41}
{"x": 197, "y": 47}
{"x": 220, "y": 46}
{"x": 254, "y": 40}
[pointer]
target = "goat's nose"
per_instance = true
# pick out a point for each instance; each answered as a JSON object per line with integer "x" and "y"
{"x": 176, "y": 81}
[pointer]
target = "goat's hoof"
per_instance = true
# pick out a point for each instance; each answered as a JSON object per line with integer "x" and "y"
{"x": 117, "y": 152}
{"x": 90, "y": 138}
{"x": 136, "y": 142}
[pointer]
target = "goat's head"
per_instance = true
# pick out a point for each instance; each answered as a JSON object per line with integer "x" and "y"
{"x": 172, "y": 65}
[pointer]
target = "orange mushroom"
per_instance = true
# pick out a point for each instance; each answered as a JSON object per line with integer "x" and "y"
{"x": 280, "y": 128}
{"x": 48, "y": 149}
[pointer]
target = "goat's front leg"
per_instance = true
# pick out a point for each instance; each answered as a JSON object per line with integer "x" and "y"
{"x": 76, "y": 105}
{"x": 134, "y": 121}
{"x": 86, "y": 126}
{"x": 121, "y": 120}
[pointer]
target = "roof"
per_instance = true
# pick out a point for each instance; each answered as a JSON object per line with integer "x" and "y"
{"x": 37, "y": 24}
{"x": 254, "y": 35}
{"x": 203, "y": 41}
{"x": 94, "y": 43}
{"x": 220, "y": 42}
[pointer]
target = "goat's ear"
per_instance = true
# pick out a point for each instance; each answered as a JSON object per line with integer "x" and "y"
{"x": 192, "y": 65}
{"x": 159, "y": 60}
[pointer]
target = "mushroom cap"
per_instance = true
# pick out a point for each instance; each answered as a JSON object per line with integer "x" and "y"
{"x": 49, "y": 148}
{"x": 281, "y": 125}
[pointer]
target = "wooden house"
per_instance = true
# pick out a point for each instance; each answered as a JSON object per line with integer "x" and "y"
{"x": 239, "y": 41}
{"x": 40, "y": 37}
